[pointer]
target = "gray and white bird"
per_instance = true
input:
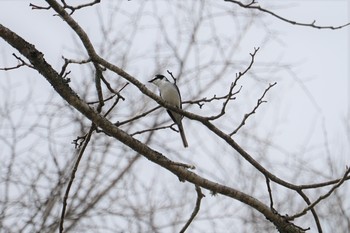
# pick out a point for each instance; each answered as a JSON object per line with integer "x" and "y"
{"x": 170, "y": 93}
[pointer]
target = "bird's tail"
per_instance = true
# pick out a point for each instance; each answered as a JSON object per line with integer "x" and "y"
{"x": 182, "y": 133}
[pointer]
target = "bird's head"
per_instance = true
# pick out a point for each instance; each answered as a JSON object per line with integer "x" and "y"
{"x": 158, "y": 78}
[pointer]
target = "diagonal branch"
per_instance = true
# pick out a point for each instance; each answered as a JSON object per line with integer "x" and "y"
{"x": 74, "y": 8}
{"x": 200, "y": 195}
{"x": 70, "y": 183}
{"x": 322, "y": 197}
{"x": 253, "y": 5}
{"x": 259, "y": 102}
{"x": 21, "y": 63}
{"x": 313, "y": 211}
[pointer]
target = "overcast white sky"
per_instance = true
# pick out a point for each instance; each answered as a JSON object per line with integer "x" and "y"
{"x": 317, "y": 106}
{"x": 320, "y": 59}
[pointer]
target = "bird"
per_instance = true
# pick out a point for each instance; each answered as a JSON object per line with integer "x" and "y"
{"x": 170, "y": 93}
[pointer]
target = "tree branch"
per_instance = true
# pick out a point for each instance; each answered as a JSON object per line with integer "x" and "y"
{"x": 75, "y": 169}
{"x": 21, "y": 63}
{"x": 322, "y": 197}
{"x": 74, "y": 8}
{"x": 230, "y": 93}
{"x": 259, "y": 102}
{"x": 200, "y": 195}
{"x": 253, "y": 5}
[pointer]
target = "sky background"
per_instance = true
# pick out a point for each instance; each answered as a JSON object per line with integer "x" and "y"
{"x": 310, "y": 104}
{"x": 312, "y": 97}
{"x": 320, "y": 57}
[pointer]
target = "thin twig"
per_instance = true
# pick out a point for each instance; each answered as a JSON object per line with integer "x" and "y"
{"x": 109, "y": 87}
{"x": 74, "y": 8}
{"x": 136, "y": 117}
{"x": 79, "y": 141}
{"x": 313, "y": 211}
{"x": 71, "y": 61}
{"x": 36, "y": 7}
{"x": 322, "y": 184}
{"x": 98, "y": 77}
{"x": 200, "y": 102}
{"x": 230, "y": 94}
{"x": 252, "y": 60}
{"x": 21, "y": 63}
{"x": 200, "y": 195}
{"x": 322, "y": 197}
{"x": 117, "y": 100}
{"x": 270, "y": 194}
{"x": 254, "y": 6}
{"x": 75, "y": 168}
{"x": 104, "y": 100}
{"x": 259, "y": 102}
{"x": 149, "y": 130}
{"x": 112, "y": 96}
{"x": 171, "y": 74}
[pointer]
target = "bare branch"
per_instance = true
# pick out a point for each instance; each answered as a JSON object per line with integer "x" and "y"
{"x": 253, "y": 5}
{"x": 36, "y": 7}
{"x": 75, "y": 168}
{"x": 202, "y": 101}
{"x": 240, "y": 74}
{"x": 270, "y": 194}
{"x": 21, "y": 63}
{"x": 71, "y": 61}
{"x": 200, "y": 195}
{"x": 171, "y": 74}
{"x": 98, "y": 77}
{"x": 120, "y": 97}
{"x": 259, "y": 102}
{"x": 322, "y": 197}
{"x": 322, "y": 184}
{"x": 74, "y": 8}
{"x": 79, "y": 141}
{"x": 230, "y": 94}
{"x": 313, "y": 211}
{"x": 149, "y": 130}
{"x": 109, "y": 87}
{"x": 136, "y": 117}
